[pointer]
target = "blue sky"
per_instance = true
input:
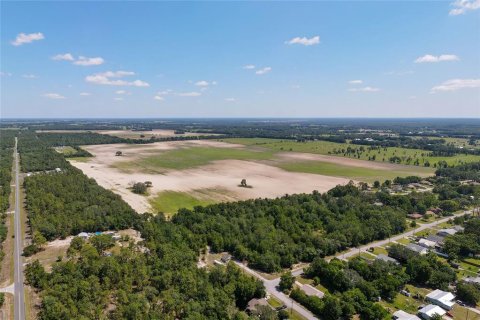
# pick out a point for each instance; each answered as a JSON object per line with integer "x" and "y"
{"x": 240, "y": 59}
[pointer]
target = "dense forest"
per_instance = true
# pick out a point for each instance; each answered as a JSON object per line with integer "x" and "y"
{"x": 276, "y": 233}
{"x": 163, "y": 284}
{"x": 66, "y": 203}
{"x": 7, "y": 143}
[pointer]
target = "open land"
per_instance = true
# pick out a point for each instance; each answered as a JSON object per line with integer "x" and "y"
{"x": 134, "y": 134}
{"x": 201, "y": 172}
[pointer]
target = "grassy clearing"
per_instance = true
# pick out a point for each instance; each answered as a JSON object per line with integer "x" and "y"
{"x": 170, "y": 201}
{"x": 356, "y": 173}
{"x": 460, "y": 312}
{"x": 186, "y": 158}
{"x": 274, "y": 302}
{"x": 326, "y": 147}
{"x": 380, "y": 250}
{"x": 67, "y": 150}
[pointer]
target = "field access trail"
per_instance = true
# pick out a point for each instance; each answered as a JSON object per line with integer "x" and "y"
{"x": 19, "y": 289}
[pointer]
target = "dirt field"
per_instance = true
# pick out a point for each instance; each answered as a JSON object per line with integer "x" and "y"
{"x": 266, "y": 180}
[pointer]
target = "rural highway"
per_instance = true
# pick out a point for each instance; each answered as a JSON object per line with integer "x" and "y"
{"x": 19, "y": 296}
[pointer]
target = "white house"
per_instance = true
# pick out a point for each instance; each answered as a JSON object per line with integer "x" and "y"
{"x": 418, "y": 249}
{"x": 441, "y": 298}
{"x": 427, "y": 243}
{"x": 427, "y": 312}
{"x": 83, "y": 235}
{"x": 402, "y": 315}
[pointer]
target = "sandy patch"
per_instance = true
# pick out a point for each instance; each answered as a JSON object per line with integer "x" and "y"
{"x": 267, "y": 181}
{"x": 339, "y": 160}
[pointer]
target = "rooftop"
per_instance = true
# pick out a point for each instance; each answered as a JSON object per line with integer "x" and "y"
{"x": 402, "y": 315}
{"x": 432, "y": 309}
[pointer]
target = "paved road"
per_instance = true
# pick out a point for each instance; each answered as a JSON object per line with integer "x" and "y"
{"x": 19, "y": 309}
{"x": 271, "y": 287}
{"x": 355, "y": 251}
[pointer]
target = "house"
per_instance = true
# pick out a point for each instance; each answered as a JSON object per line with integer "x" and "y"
{"x": 418, "y": 249}
{"x": 402, "y": 315}
{"x": 427, "y": 243}
{"x": 437, "y": 239}
{"x": 254, "y": 303}
{"x": 474, "y": 280}
{"x": 386, "y": 258}
{"x": 83, "y": 235}
{"x": 414, "y": 216}
{"x": 427, "y": 312}
{"x": 446, "y": 232}
{"x": 441, "y": 298}
{"x": 226, "y": 258}
{"x": 437, "y": 210}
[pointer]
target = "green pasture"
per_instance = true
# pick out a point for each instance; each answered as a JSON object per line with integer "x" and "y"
{"x": 169, "y": 202}
{"x": 326, "y": 148}
{"x": 185, "y": 158}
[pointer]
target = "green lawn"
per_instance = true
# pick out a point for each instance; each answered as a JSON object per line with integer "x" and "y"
{"x": 169, "y": 202}
{"x": 380, "y": 250}
{"x": 350, "y": 172}
{"x": 326, "y": 147}
{"x": 185, "y": 158}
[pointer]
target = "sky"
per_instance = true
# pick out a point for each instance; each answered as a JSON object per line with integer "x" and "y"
{"x": 240, "y": 59}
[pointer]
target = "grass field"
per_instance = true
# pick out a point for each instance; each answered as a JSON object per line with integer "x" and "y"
{"x": 186, "y": 158}
{"x": 67, "y": 150}
{"x": 326, "y": 147}
{"x": 355, "y": 173}
{"x": 169, "y": 202}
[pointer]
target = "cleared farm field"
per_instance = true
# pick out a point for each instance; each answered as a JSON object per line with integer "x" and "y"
{"x": 191, "y": 157}
{"x": 350, "y": 172}
{"x": 199, "y": 172}
{"x": 332, "y": 148}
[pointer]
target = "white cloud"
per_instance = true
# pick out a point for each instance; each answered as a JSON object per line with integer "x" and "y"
{"x": 53, "y": 96}
{"x": 431, "y": 58}
{"x": 456, "y": 84}
{"x": 296, "y": 86}
{"x": 5, "y": 74}
{"x": 355, "y": 81}
{"x": 462, "y": 6}
{"x": 23, "y": 38}
{"x": 263, "y": 71}
{"x": 164, "y": 92}
{"x": 159, "y": 98}
{"x": 29, "y": 76}
{"x": 304, "y": 41}
{"x": 85, "y": 94}
{"x": 189, "y": 94}
{"x": 120, "y": 92}
{"x": 399, "y": 73}
{"x": 118, "y": 99}
{"x": 202, "y": 83}
{"x": 65, "y": 57}
{"x": 249, "y": 67}
{"x": 230, "y": 99}
{"x": 111, "y": 78}
{"x": 85, "y": 61}
{"x": 364, "y": 89}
